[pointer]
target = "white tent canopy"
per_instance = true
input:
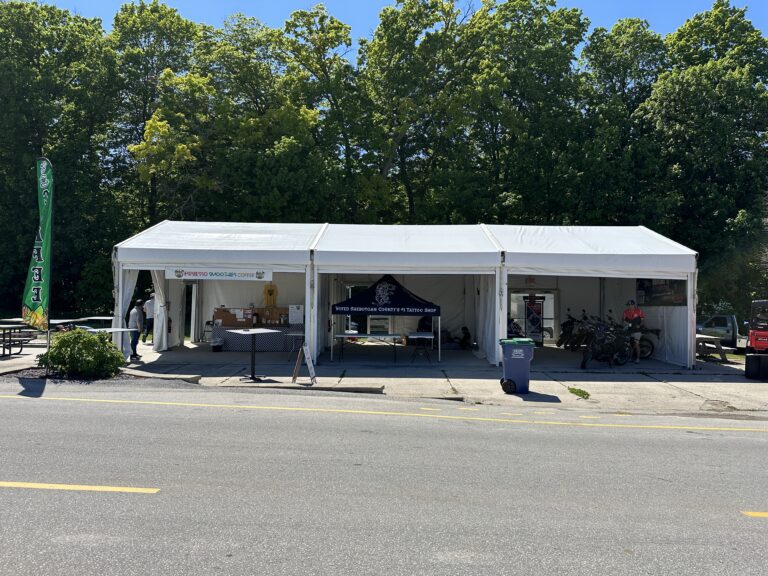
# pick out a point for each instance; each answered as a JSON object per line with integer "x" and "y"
{"x": 484, "y": 255}
{"x": 219, "y": 243}
{"x": 610, "y": 251}
{"x": 416, "y": 253}
{"x": 451, "y": 249}
{"x": 204, "y": 245}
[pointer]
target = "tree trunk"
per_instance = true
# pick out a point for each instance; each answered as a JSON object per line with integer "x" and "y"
{"x": 152, "y": 201}
{"x": 403, "y": 164}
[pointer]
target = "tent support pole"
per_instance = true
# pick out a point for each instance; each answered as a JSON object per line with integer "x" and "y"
{"x": 310, "y": 322}
{"x": 120, "y": 311}
{"x": 439, "y": 341}
{"x": 691, "y": 289}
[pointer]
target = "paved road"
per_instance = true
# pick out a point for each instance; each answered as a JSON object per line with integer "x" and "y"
{"x": 258, "y": 482}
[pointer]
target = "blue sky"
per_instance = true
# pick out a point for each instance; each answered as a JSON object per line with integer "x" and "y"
{"x": 664, "y": 16}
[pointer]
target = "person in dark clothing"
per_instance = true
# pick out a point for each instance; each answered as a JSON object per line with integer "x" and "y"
{"x": 425, "y": 324}
{"x": 136, "y": 324}
{"x": 465, "y": 342}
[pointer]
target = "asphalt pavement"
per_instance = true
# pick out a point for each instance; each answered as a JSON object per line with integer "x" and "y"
{"x": 278, "y": 481}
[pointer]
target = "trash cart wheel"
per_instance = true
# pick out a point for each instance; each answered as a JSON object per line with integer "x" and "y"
{"x": 508, "y": 386}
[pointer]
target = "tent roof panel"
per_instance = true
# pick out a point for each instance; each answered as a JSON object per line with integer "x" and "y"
{"x": 631, "y": 251}
{"x": 594, "y": 250}
{"x": 388, "y": 246}
{"x": 221, "y": 243}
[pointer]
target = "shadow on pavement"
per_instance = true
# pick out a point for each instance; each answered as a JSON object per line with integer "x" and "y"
{"x": 538, "y": 397}
{"x": 33, "y": 387}
{"x": 377, "y": 362}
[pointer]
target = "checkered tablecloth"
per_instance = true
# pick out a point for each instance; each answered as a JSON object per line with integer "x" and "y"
{"x": 275, "y": 342}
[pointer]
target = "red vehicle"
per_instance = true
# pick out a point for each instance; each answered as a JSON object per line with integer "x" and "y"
{"x": 758, "y": 327}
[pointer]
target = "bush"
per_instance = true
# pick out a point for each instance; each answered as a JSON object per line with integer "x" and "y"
{"x": 81, "y": 354}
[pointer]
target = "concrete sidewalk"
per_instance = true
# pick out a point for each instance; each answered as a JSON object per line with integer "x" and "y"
{"x": 650, "y": 387}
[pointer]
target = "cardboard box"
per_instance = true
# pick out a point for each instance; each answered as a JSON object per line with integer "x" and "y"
{"x": 234, "y": 317}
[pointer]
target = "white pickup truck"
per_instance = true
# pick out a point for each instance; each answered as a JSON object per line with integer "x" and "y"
{"x": 725, "y": 327}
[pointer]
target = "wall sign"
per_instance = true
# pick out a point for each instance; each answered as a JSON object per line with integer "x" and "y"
{"x": 661, "y": 292}
{"x": 183, "y": 273}
{"x": 534, "y": 311}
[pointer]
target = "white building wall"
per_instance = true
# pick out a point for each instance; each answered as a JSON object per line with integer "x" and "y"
{"x": 235, "y": 294}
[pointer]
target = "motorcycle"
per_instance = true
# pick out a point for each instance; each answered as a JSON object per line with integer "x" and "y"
{"x": 604, "y": 340}
{"x": 574, "y": 333}
{"x": 607, "y": 344}
{"x": 646, "y": 344}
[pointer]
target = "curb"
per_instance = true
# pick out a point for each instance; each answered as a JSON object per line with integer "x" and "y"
{"x": 191, "y": 378}
{"x": 267, "y": 386}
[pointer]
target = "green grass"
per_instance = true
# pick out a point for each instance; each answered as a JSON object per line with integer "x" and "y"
{"x": 579, "y": 392}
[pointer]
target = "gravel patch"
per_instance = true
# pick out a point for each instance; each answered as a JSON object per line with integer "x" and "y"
{"x": 40, "y": 374}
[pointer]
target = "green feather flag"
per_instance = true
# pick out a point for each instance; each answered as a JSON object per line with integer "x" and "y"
{"x": 35, "y": 305}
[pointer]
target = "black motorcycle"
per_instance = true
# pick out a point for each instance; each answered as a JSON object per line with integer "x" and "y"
{"x": 607, "y": 343}
{"x": 646, "y": 344}
{"x": 575, "y": 333}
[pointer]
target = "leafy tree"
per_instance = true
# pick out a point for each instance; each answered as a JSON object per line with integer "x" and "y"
{"x": 620, "y": 68}
{"x": 57, "y": 95}
{"x": 708, "y": 123}
{"x": 148, "y": 38}
{"x": 624, "y": 63}
{"x": 259, "y": 149}
{"x": 319, "y": 77}
{"x": 706, "y": 118}
{"x": 519, "y": 101}
{"x": 724, "y": 32}
{"x": 167, "y": 156}
{"x": 452, "y": 114}
{"x": 404, "y": 72}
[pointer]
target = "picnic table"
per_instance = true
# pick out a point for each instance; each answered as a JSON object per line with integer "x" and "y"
{"x": 708, "y": 345}
{"x": 12, "y": 335}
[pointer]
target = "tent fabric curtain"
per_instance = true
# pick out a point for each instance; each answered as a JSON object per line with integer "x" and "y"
{"x": 175, "y": 306}
{"x": 672, "y": 347}
{"x": 122, "y": 307}
{"x": 486, "y": 319}
{"x": 160, "y": 334}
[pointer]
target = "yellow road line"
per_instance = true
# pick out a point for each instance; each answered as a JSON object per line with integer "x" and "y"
{"x": 755, "y": 514}
{"x": 79, "y": 487}
{"x": 470, "y": 409}
{"x": 383, "y": 413}
{"x": 594, "y": 417}
{"x": 432, "y": 409}
{"x": 511, "y": 413}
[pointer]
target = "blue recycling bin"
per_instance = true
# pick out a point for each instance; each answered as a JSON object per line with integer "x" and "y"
{"x": 516, "y": 362}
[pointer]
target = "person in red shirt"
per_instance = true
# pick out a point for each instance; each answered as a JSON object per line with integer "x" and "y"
{"x": 634, "y": 317}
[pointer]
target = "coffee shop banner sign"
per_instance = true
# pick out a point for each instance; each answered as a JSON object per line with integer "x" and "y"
{"x": 180, "y": 273}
